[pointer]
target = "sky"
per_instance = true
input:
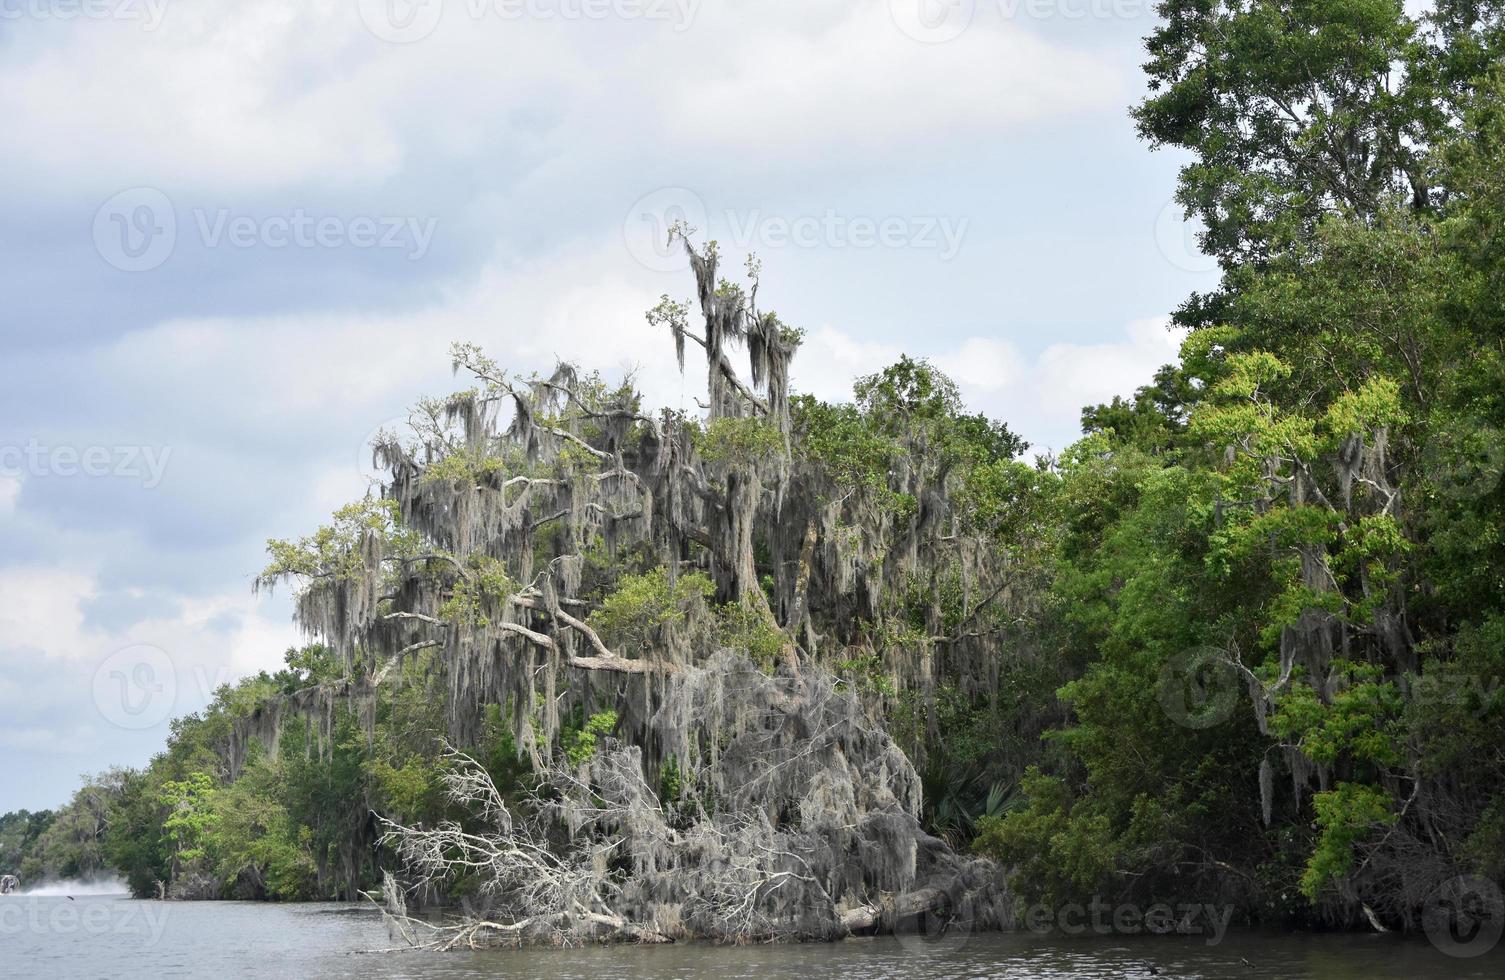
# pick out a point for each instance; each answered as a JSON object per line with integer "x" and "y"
{"x": 241, "y": 235}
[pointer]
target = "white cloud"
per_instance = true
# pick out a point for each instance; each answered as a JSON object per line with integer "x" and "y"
{"x": 43, "y": 613}
{"x": 302, "y": 369}
{"x": 10, "y": 492}
{"x": 43, "y": 610}
{"x": 1072, "y": 376}
{"x": 238, "y": 97}
{"x": 256, "y": 94}
{"x": 983, "y": 363}
{"x": 862, "y": 84}
{"x": 49, "y": 740}
{"x": 348, "y": 371}
{"x": 831, "y": 359}
{"x": 1041, "y": 398}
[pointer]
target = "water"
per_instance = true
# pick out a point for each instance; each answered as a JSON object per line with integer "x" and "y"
{"x": 99, "y": 936}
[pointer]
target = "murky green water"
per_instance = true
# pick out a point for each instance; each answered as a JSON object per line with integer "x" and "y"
{"x": 104, "y": 936}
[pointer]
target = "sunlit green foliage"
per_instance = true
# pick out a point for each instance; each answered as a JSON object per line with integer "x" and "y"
{"x": 580, "y": 743}
{"x": 1346, "y": 815}
{"x": 480, "y": 593}
{"x": 642, "y": 605}
{"x": 335, "y": 549}
{"x": 727, "y": 440}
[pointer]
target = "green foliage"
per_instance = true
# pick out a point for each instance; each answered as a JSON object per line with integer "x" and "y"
{"x": 840, "y": 438}
{"x": 255, "y": 842}
{"x": 71, "y": 841}
{"x": 134, "y": 843}
{"x": 1313, "y": 491}
{"x": 745, "y": 627}
{"x": 336, "y": 549}
{"x": 1255, "y": 88}
{"x": 464, "y": 467}
{"x": 671, "y": 783}
{"x": 190, "y": 815}
{"x": 480, "y": 594}
{"x": 642, "y": 605}
{"x": 866, "y": 673}
{"x": 1358, "y": 718}
{"x": 908, "y": 410}
{"x": 580, "y": 743}
{"x": 730, "y": 440}
{"x": 912, "y": 399}
{"x": 19, "y": 831}
{"x": 1347, "y": 816}
{"x": 306, "y": 666}
{"x": 1059, "y": 851}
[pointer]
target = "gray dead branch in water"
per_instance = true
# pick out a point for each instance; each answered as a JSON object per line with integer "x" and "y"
{"x": 812, "y": 833}
{"x": 797, "y": 815}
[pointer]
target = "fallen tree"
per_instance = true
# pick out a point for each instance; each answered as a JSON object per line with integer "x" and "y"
{"x": 793, "y": 817}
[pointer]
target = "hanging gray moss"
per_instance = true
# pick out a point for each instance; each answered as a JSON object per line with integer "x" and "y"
{"x": 515, "y": 500}
{"x": 792, "y": 816}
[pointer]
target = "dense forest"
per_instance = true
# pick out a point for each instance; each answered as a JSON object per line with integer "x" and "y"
{"x": 787, "y": 668}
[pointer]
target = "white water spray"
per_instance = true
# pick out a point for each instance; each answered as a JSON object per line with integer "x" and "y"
{"x": 76, "y": 888}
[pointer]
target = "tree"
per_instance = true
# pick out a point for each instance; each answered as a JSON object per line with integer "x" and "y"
{"x": 558, "y": 551}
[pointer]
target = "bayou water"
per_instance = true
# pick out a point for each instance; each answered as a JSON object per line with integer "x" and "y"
{"x": 113, "y": 936}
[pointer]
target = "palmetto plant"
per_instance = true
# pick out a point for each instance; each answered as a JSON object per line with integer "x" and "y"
{"x": 957, "y": 796}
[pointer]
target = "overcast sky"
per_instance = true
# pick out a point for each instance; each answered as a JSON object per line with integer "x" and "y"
{"x": 241, "y": 234}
